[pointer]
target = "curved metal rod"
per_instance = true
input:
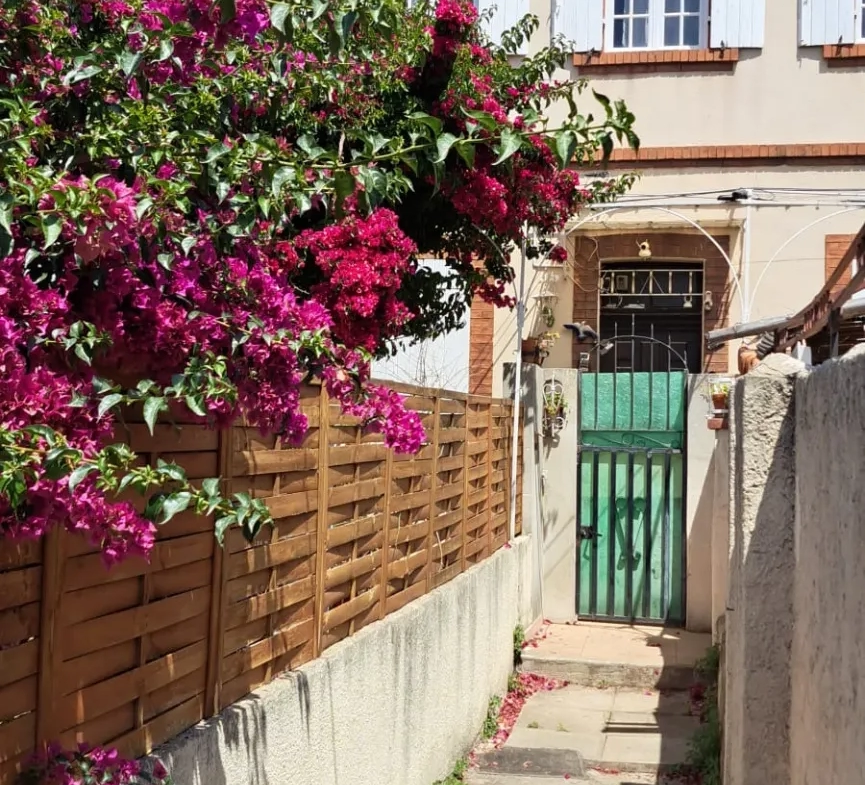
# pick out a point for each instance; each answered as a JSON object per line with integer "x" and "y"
{"x": 617, "y": 338}
{"x": 681, "y": 217}
{"x": 795, "y": 237}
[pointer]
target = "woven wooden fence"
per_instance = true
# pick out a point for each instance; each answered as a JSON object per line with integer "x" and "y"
{"x": 133, "y": 656}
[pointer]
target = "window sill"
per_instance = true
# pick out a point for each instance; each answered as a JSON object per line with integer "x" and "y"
{"x": 658, "y": 61}
{"x": 844, "y": 55}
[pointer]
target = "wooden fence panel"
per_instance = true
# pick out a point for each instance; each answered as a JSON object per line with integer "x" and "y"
{"x": 134, "y": 655}
{"x": 20, "y": 613}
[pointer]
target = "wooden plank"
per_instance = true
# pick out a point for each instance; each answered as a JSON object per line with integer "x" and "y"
{"x": 397, "y": 601}
{"x": 18, "y": 587}
{"x": 144, "y": 740}
{"x": 447, "y": 574}
{"x": 321, "y": 535}
{"x": 276, "y": 599}
{"x": 91, "y": 636}
{"x": 18, "y": 698}
{"x": 167, "y": 438}
{"x": 448, "y": 519}
{"x": 489, "y": 482}
{"x": 414, "y": 531}
{"x": 357, "y": 453}
{"x": 284, "y": 505}
{"x": 18, "y": 662}
{"x": 404, "y": 469}
{"x": 265, "y": 556}
{"x": 348, "y": 610}
{"x": 89, "y": 570}
{"x": 399, "y": 568}
{"x": 407, "y": 501}
{"x": 279, "y": 643}
{"x": 19, "y": 624}
{"x": 15, "y": 554}
{"x": 84, "y": 704}
{"x": 385, "y": 549}
{"x": 347, "y": 494}
{"x": 355, "y": 530}
{"x": 256, "y": 462}
{"x": 16, "y": 737}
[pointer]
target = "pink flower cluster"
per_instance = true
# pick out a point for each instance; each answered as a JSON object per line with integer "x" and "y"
{"x": 88, "y": 765}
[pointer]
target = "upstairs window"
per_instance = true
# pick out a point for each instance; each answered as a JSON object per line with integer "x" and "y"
{"x": 861, "y": 12}
{"x": 657, "y": 24}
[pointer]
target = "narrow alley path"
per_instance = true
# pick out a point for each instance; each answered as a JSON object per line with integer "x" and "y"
{"x": 624, "y": 718}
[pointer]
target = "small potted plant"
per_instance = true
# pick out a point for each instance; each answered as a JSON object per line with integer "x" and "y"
{"x": 555, "y": 405}
{"x": 545, "y": 343}
{"x": 529, "y": 350}
{"x": 720, "y": 392}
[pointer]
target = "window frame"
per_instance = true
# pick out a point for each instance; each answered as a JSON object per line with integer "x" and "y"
{"x": 859, "y": 21}
{"x": 655, "y": 42}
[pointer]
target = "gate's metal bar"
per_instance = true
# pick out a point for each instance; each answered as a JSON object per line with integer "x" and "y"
{"x": 629, "y": 542}
{"x": 611, "y": 546}
{"x": 593, "y": 592}
{"x": 647, "y": 541}
{"x": 665, "y": 530}
{"x": 640, "y": 450}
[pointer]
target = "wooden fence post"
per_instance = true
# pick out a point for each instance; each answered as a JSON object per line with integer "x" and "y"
{"x": 321, "y": 527}
{"x": 465, "y": 505}
{"x": 385, "y": 532}
{"x": 436, "y": 448}
{"x": 50, "y": 652}
{"x": 218, "y": 580}
{"x": 489, "y": 547}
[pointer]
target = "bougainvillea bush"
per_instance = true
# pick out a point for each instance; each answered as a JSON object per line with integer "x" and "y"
{"x": 88, "y": 765}
{"x": 205, "y": 204}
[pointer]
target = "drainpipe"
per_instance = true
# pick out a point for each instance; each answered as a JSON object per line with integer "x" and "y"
{"x": 518, "y": 383}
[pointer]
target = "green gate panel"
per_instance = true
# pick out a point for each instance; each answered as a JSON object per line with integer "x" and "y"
{"x": 631, "y": 496}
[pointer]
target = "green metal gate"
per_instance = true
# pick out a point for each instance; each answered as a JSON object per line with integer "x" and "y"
{"x": 631, "y": 497}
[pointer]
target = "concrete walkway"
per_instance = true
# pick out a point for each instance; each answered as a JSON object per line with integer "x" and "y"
{"x": 617, "y": 723}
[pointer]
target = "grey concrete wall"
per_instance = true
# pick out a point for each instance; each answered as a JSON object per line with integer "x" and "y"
{"x": 759, "y": 617}
{"x": 395, "y": 704}
{"x": 829, "y": 641}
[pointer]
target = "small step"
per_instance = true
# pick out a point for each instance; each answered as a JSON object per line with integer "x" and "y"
{"x": 601, "y": 655}
{"x": 609, "y": 729}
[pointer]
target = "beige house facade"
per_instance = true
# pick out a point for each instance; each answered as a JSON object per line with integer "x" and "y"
{"x": 751, "y": 171}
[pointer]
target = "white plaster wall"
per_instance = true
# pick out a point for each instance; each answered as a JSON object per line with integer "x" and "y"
{"x": 395, "y": 704}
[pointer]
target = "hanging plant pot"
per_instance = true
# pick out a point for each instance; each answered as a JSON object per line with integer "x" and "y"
{"x": 529, "y": 351}
{"x": 720, "y": 401}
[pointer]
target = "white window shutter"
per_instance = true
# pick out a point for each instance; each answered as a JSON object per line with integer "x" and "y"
{"x": 580, "y": 21}
{"x": 738, "y": 24}
{"x": 826, "y": 22}
{"x": 506, "y": 13}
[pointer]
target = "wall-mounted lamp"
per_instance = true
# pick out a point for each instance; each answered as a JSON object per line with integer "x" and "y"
{"x": 708, "y": 302}
{"x": 645, "y": 250}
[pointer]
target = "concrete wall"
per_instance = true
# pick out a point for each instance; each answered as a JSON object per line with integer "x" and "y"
{"x": 829, "y": 641}
{"x": 396, "y": 703}
{"x": 759, "y": 618}
{"x": 720, "y": 531}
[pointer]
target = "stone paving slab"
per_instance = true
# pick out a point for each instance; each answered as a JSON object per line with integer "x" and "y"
{"x": 614, "y": 655}
{"x": 638, "y": 731}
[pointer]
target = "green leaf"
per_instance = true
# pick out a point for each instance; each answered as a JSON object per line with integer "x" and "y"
{"x": 280, "y": 177}
{"x": 210, "y": 486}
{"x": 216, "y": 152}
{"x": 51, "y": 228}
{"x": 84, "y": 73}
{"x": 511, "y": 142}
{"x": 343, "y": 184}
{"x": 195, "y": 404}
{"x": 187, "y": 244}
{"x": 6, "y": 216}
{"x": 222, "y": 525}
{"x": 129, "y": 62}
{"x": 171, "y": 470}
{"x": 466, "y": 151}
{"x": 153, "y": 510}
{"x": 173, "y": 504}
{"x": 318, "y": 8}
{"x": 108, "y": 402}
{"x": 153, "y": 407}
{"x": 566, "y": 144}
{"x": 166, "y": 49}
{"x": 428, "y": 120}
{"x": 278, "y": 14}
{"x": 143, "y": 206}
{"x": 227, "y": 10}
{"x": 77, "y": 476}
{"x": 443, "y": 146}
{"x": 308, "y": 144}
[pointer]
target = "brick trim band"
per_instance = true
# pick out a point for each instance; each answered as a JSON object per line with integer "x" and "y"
{"x": 658, "y": 61}
{"x": 739, "y": 155}
{"x": 844, "y": 55}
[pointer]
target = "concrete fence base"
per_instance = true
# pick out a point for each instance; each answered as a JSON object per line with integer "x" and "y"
{"x": 395, "y": 704}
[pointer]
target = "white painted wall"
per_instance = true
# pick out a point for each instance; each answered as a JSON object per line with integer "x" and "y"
{"x": 442, "y": 362}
